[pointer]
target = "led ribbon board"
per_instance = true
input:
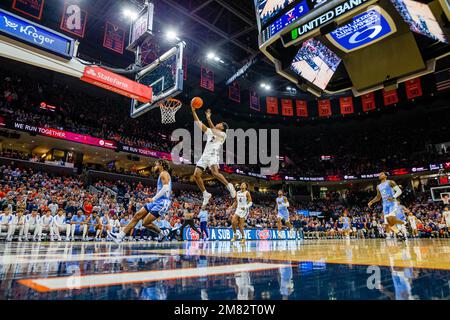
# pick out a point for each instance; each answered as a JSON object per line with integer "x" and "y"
{"x": 35, "y": 35}
{"x": 364, "y": 29}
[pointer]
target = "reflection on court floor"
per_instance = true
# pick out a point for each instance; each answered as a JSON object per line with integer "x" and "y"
{"x": 356, "y": 269}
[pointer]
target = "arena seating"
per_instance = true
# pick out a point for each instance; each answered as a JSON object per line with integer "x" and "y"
{"x": 25, "y": 190}
{"x": 378, "y": 147}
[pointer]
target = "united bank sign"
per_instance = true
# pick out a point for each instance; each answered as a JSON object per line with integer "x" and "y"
{"x": 35, "y": 35}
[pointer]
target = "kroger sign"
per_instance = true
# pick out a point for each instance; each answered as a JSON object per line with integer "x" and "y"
{"x": 35, "y": 35}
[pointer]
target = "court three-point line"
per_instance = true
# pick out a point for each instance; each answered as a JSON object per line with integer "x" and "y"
{"x": 102, "y": 280}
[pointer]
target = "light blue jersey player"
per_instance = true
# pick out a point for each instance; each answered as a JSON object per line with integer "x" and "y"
{"x": 388, "y": 192}
{"x": 282, "y": 210}
{"x": 154, "y": 208}
{"x": 346, "y": 225}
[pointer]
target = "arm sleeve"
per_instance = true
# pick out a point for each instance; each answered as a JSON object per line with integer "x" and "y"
{"x": 398, "y": 191}
{"x": 164, "y": 189}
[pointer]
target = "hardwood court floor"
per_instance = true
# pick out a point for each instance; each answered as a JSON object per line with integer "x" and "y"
{"x": 322, "y": 269}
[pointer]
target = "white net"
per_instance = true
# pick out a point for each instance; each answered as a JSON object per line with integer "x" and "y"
{"x": 169, "y": 108}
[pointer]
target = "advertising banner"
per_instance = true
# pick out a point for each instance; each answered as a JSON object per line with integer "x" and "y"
{"x": 365, "y": 29}
{"x": 147, "y": 152}
{"x": 65, "y": 135}
{"x": 116, "y": 83}
{"x": 35, "y": 35}
{"x": 225, "y": 234}
{"x": 74, "y": 18}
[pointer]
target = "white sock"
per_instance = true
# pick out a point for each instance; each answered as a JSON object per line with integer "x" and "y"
{"x": 122, "y": 234}
{"x": 205, "y": 193}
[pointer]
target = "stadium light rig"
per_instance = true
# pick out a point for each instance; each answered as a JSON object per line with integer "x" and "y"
{"x": 212, "y": 56}
{"x": 172, "y": 35}
{"x": 130, "y": 14}
{"x": 265, "y": 86}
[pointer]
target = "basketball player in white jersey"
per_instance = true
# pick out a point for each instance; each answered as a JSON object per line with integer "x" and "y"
{"x": 413, "y": 224}
{"x": 446, "y": 216}
{"x": 215, "y": 136}
{"x": 32, "y": 223}
{"x": 60, "y": 225}
{"x": 18, "y": 223}
{"x": 46, "y": 225}
{"x": 245, "y": 289}
{"x": 242, "y": 204}
{"x": 6, "y": 223}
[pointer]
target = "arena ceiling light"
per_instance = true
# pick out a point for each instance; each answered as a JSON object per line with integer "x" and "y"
{"x": 172, "y": 35}
{"x": 212, "y": 56}
{"x": 265, "y": 86}
{"x": 130, "y": 14}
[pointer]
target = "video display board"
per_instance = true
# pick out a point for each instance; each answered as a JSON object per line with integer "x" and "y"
{"x": 315, "y": 62}
{"x": 365, "y": 29}
{"x": 420, "y": 19}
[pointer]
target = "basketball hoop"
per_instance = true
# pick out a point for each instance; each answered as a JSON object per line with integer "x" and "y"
{"x": 169, "y": 108}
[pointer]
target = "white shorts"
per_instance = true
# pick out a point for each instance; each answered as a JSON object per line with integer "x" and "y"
{"x": 241, "y": 213}
{"x": 207, "y": 161}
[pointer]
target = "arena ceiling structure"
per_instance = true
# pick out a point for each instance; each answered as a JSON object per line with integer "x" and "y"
{"x": 227, "y": 29}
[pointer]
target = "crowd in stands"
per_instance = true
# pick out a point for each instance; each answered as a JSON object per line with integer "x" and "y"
{"x": 33, "y": 204}
{"x": 373, "y": 149}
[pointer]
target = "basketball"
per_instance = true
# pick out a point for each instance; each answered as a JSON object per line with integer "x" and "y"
{"x": 197, "y": 102}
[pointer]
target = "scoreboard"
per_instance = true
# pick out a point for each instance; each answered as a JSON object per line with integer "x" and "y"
{"x": 315, "y": 42}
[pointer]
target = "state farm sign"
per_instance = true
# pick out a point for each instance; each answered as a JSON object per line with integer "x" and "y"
{"x": 118, "y": 84}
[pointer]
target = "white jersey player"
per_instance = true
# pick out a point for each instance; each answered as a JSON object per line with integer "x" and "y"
{"x": 245, "y": 289}
{"x": 60, "y": 225}
{"x": 446, "y": 216}
{"x": 413, "y": 224}
{"x": 210, "y": 158}
{"x": 242, "y": 204}
{"x": 18, "y": 223}
{"x": 32, "y": 224}
{"x": 46, "y": 225}
{"x": 6, "y": 224}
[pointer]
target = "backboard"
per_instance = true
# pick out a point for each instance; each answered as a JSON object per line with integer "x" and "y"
{"x": 164, "y": 76}
{"x": 441, "y": 193}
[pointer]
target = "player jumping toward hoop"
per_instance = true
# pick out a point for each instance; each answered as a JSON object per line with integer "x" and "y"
{"x": 388, "y": 191}
{"x": 156, "y": 206}
{"x": 216, "y": 136}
